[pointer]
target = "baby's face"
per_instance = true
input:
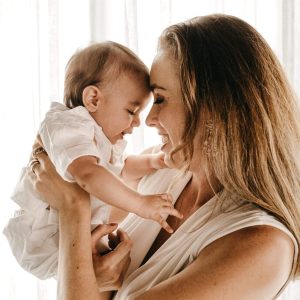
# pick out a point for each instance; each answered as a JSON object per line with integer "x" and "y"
{"x": 124, "y": 100}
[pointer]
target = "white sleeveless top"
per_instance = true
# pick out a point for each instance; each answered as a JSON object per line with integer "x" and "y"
{"x": 209, "y": 223}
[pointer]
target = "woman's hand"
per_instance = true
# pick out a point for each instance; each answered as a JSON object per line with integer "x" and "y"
{"x": 58, "y": 193}
{"x": 110, "y": 268}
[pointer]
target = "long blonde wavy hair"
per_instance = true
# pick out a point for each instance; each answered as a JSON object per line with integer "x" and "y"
{"x": 233, "y": 85}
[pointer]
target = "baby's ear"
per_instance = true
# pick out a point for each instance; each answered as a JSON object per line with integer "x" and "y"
{"x": 91, "y": 98}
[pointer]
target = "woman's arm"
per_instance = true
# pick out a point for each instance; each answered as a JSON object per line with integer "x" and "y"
{"x": 76, "y": 276}
{"x": 252, "y": 263}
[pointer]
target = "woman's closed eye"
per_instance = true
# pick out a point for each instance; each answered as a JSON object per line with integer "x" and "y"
{"x": 131, "y": 112}
{"x": 159, "y": 100}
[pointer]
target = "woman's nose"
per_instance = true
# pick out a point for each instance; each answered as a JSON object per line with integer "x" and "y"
{"x": 151, "y": 119}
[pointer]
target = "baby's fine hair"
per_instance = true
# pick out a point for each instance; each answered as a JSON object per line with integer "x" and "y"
{"x": 98, "y": 64}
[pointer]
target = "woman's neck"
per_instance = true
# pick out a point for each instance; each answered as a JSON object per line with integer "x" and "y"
{"x": 198, "y": 191}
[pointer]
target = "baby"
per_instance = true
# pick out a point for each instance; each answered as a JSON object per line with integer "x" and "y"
{"x": 106, "y": 88}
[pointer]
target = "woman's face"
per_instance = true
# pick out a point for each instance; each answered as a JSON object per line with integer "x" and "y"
{"x": 167, "y": 112}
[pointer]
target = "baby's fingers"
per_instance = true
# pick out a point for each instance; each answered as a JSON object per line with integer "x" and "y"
{"x": 165, "y": 225}
{"x": 167, "y": 197}
{"x": 170, "y": 210}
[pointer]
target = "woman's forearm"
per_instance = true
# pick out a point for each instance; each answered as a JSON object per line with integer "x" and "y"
{"x": 78, "y": 261}
{"x": 76, "y": 277}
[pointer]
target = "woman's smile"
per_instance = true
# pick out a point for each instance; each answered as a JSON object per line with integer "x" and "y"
{"x": 164, "y": 139}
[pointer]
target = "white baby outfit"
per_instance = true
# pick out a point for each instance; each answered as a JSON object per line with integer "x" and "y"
{"x": 67, "y": 134}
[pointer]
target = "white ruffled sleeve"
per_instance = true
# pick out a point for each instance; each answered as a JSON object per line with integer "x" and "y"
{"x": 68, "y": 134}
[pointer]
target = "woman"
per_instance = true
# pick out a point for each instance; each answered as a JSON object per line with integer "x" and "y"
{"x": 228, "y": 118}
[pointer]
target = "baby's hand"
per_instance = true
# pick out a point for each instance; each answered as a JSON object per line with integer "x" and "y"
{"x": 157, "y": 161}
{"x": 157, "y": 208}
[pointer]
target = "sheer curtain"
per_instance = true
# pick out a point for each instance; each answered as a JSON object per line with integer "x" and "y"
{"x": 38, "y": 37}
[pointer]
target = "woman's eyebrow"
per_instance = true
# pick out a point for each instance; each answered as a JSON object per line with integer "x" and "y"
{"x": 135, "y": 103}
{"x": 155, "y": 86}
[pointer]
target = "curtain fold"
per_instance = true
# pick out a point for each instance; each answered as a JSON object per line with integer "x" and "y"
{"x": 297, "y": 48}
{"x": 289, "y": 38}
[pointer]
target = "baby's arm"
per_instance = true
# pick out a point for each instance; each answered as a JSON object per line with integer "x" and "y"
{"x": 138, "y": 166}
{"x": 103, "y": 184}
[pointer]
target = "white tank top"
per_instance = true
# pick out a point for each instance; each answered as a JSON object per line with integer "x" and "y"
{"x": 209, "y": 223}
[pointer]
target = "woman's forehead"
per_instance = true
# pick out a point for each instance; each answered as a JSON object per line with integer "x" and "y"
{"x": 164, "y": 72}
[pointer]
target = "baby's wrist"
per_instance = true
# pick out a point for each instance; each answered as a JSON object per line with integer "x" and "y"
{"x": 154, "y": 163}
{"x": 151, "y": 163}
{"x": 140, "y": 205}
{"x": 157, "y": 162}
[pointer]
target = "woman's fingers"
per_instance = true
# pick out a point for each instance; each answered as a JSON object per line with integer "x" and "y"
{"x": 111, "y": 268}
{"x": 37, "y": 143}
{"x": 40, "y": 161}
{"x": 58, "y": 193}
{"x": 31, "y": 165}
{"x": 37, "y": 151}
{"x": 123, "y": 248}
{"x": 113, "y": 240}
{"x": 101, "y": 231}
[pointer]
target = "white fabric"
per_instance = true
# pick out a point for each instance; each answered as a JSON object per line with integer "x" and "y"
{"x": 184, "y": 246}
{"x": 66, "y": 134}
{"x": 70, "y": 133}
{"x": 34, "y": 243}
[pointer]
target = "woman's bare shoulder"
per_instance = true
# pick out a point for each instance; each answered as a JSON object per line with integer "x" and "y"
{"x": 251, "y": 263}
{"x": 254, "y": 260}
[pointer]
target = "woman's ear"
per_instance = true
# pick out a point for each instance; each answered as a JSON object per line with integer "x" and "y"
{"x": 92, "y": 98}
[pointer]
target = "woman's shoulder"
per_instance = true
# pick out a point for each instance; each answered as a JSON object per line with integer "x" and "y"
{"x": 264, "y": 239}
{"x": 233, "y": 215}
{"x": 260, "y": 256}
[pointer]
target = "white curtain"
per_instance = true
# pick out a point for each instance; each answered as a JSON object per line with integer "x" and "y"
{"x": 39, "y": 36}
